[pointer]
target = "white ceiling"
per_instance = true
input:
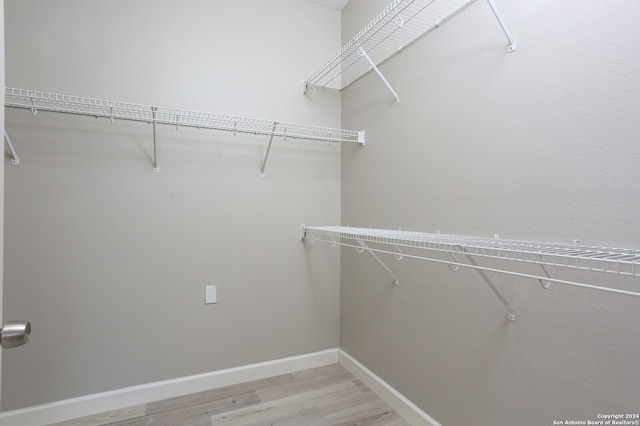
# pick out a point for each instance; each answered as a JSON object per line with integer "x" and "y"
{"x": 334, "y": 4}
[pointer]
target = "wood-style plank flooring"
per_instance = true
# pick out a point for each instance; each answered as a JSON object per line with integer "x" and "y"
{"x": 324, "y": 396}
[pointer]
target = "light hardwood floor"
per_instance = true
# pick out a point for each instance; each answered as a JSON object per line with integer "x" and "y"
{"x": 317, "y": 397}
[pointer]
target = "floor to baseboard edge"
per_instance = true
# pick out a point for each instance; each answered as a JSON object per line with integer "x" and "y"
{"x": 68, "y": 409}
{"x": 407, "y": 409}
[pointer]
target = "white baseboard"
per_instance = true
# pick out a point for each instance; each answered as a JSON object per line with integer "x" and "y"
{"x": 119, "y": 399}
{"x": 411, "y": 412}
{"x": 68, "y": 409}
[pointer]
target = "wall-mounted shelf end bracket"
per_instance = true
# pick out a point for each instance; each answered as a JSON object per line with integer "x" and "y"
{"x": 363, "y": 247}
{"x": 15, "y": 160}
{"x": 308, "y": 87}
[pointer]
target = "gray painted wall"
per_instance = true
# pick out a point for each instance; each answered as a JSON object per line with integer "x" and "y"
{"x": 539, "y": 144}
{"x": 108, "y": 259}
{"x": 1, "y": 166}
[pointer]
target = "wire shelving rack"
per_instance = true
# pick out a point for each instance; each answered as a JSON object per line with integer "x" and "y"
{"x": 399, "y": 25}
{"x": 423, "y": 246}
{"x": 113, "y": 110}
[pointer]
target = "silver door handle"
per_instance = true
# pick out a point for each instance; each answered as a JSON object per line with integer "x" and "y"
{"x": 15, "y": 333}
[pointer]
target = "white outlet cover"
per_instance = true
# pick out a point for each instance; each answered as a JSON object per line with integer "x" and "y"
{"x": 210, "y": 294}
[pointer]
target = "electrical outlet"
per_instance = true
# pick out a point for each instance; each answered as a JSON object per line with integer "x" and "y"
{"x": 210, "y": 294}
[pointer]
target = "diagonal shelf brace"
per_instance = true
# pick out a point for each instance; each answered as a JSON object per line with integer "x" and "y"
{"x": 264, "y": 163}
{"x": 512, "y": 314}
{"x": 15, "y": 160}
{"x": 364, "y": 54}
{"x": 396, "y": 282}
{"x": 503, "y": 24}
{"x": 155, "y": 148}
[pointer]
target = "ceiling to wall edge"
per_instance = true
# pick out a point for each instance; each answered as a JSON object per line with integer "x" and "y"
{"x": 334, "y": 4}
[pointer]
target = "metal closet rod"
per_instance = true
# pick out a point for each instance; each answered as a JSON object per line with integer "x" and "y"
{"x": 52, "y": 102}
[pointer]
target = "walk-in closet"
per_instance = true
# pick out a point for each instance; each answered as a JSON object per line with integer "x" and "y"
{"x": 320, "y": 212}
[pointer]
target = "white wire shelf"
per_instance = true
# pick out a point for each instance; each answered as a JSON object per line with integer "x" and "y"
{"x": 52, "y": 102}
{"x": 591, "y": 258}
{"x": 399, "y": 25}
{"x": 608, "y": 260}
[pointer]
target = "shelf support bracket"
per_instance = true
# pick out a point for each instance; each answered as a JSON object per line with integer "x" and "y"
{"x": 364, "y": 246}
{"x": 155, "y": 150}
{"x": 503, "y": 24}
{"x": 364, "y": 54}
{"x": 307, "y": 87}
{"x": 512, "y": 314}
{"x": 266, "y": 156}
{"x": 15, "y": 160}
